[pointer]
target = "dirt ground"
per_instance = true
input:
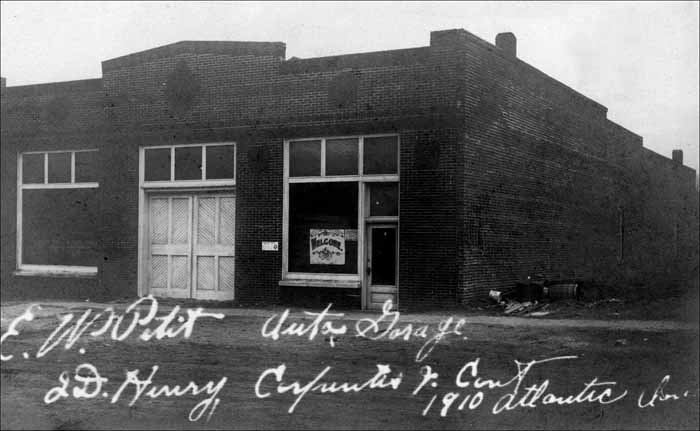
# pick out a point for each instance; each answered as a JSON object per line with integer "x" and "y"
{"x": 628, "y": 303}
{"x": 637, "y": 360}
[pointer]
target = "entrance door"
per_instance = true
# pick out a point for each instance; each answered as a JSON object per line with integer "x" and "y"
{"x": 382, "y": 253}
{"x": 191, "y": 246}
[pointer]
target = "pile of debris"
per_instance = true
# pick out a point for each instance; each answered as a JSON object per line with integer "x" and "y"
{"x": 533, "y": 298}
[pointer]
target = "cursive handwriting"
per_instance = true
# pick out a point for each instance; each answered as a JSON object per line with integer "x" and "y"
{"x": 90, "y": 385}
{"x": 371, "y": 328}
{"x": 518, "y": 395}
{"x": 385, "y": 326}
{"x": 380, "y": 380}
{"x": 118, "y": 326}
{"x": 659, "y": 395}
{"x": 276, "y": 325}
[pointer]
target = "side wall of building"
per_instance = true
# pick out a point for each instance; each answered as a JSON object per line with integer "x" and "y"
{"x": 553, "y": 190}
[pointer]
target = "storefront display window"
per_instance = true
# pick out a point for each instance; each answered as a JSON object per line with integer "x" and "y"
{"x": 323, "y": 227}
{"x": 329, "y": 195}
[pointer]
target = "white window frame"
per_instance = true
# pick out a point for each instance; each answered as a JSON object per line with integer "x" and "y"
{"x": 330, "y": 279}
{"x": 146, "y": 187}
{"x": 51, "y": 270}
{"x": 172, "y": 182}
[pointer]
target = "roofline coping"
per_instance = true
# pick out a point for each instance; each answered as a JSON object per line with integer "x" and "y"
{"x": 232, "y": 48}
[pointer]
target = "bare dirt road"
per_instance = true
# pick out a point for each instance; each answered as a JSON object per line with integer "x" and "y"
{"x": 599, "y": 374}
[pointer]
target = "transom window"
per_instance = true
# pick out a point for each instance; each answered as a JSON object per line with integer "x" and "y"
{"x": 199, "y": 162}
{"x": 59, "y": 167}
{"x": 371, "y": 155}
{"x": 57, "y": 212}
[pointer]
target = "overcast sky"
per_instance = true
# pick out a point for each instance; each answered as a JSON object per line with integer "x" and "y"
{"x": 638, "y": 59}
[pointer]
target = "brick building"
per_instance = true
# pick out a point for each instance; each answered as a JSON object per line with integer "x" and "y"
{"x": 221, "y": 170}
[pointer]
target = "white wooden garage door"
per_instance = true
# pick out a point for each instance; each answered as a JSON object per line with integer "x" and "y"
{"x": 191, "y": 247}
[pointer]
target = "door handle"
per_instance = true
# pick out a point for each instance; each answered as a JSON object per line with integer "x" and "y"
{"x": 369, "y": 270}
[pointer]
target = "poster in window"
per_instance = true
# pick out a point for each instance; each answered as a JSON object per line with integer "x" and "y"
{"x": 327, "y": 246}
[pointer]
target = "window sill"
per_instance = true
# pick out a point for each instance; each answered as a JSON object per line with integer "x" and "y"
{"x": 48, "y": 271}
{"x": 187, "y": 183}
{"x": 342, "y": 284}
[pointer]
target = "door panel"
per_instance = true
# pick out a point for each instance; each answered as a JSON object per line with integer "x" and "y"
{"x": 180, "y": 225}
{"x": 159, "y": 272}
{"x": 207, "y": 220}
{"x": 205, "y": 273}
{"x": 226, "y": 273}
{"x": 159, "y": 220}
{"x": 227, "y": 221}
{"x": 179, "y": 279}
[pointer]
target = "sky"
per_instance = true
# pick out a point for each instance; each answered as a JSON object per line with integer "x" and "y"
{"x": 640, "y": 59}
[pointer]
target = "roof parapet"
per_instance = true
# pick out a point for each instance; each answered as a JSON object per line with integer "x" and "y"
{"x": 234, "y": 49}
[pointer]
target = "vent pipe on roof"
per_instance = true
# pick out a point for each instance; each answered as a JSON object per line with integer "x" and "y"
{"x": 507, "y": 42}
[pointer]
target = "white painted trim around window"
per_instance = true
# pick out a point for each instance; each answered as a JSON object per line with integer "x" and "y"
{"x": 187, "y": 183}
{"x": 343, "y": 284}
{"x": 56, "y": 270}
{"x": 172, "y": 182}
{"x": 338, "y": 280}
{"x": 345, "y": 178}
{"x": 48, "y": 270}
{"x": 46, "y": 184}
{"x": 61, "y": 186}
{"x": 186, "y": 186}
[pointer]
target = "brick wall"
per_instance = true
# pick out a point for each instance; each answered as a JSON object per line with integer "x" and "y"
{"x": 38, "y": 118}
{"x": 546, "y": 178}
{"x": 504, "y": 171}
{"x": 258, "y": 101}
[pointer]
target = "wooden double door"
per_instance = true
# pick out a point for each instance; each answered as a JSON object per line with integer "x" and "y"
{"x": 191, "y": 245}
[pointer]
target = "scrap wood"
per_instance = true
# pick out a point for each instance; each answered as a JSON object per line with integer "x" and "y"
{"x": 518, "y": 307}
{"x": 538, "y": 313}
{"x": 512, "y": 307}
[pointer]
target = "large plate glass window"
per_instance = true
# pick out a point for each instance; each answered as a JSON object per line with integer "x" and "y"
{"x": 57, "y": 211}
{"x": 323, "y": 227}
{"x": 326, "y": 181}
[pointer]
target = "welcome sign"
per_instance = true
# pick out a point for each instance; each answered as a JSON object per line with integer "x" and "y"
{"x": 327, "y": 246}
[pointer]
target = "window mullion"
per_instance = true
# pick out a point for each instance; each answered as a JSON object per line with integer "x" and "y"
{"x": 361, "y": 156}
{"x": 72, "y": 167}
{"x": 323, "y": 157}
{"x": 204, "y": 162}
{"x": 172, "y": 163}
